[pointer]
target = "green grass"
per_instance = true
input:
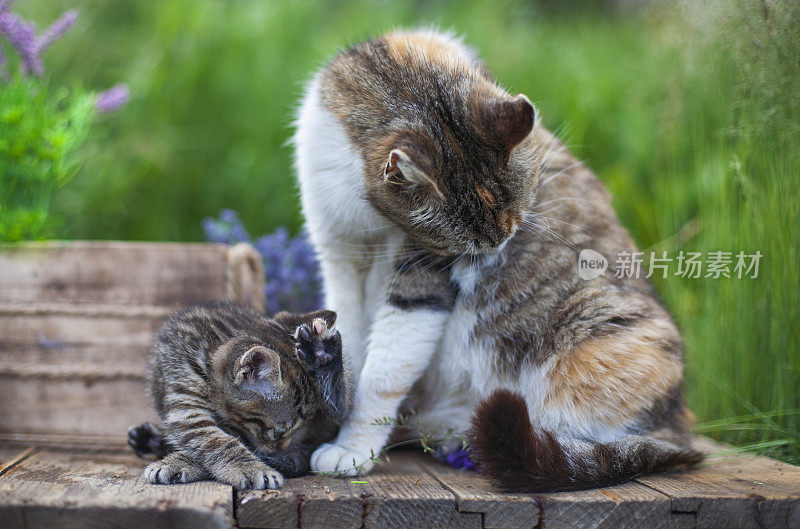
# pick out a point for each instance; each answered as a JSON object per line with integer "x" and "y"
{"x": 691, "y": 120}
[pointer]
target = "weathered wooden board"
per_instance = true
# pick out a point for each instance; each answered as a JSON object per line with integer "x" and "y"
{"x": 734, "y": 490}
{"x": 626, "y": 506}
{"x": 103, "y": 407}
{"x": 77, "y": 320}
{"x": 11, "y": 455}
{"x": 474, "y": 494}
{"x": 112, "y": 272}
{"x": 81, "y": 489}
{"x": 101, "y": 488}
{"x": 396, "y": 495}
{"x": 68, "y": 334}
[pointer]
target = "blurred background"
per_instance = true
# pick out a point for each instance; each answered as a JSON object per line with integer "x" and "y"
{"x": 688, "y": 111}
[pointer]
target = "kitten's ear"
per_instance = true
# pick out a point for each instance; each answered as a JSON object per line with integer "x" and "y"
{"x": 400, "y": 169}
{"x": 511, "y": 119}
{"x": 259, "y": 370}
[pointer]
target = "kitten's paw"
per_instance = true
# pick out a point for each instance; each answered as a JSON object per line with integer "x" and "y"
{"x": 318, "y": 344}
{"x": 251, "y": 476}
{"x": 342, "y": 461}
{"x": 172, "y": 470}
{"x": 145, "y": 439}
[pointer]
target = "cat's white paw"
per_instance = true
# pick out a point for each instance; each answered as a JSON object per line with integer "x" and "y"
{"x": 341, "y": 460}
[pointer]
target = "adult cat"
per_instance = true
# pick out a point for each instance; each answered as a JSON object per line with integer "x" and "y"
{"x": 425, "y": 188}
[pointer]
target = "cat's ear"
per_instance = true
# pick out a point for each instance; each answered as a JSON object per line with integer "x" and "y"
{"x": 400, "y": 169}
{"x": 510, "y": 119}
{"x": 259, "y": 370}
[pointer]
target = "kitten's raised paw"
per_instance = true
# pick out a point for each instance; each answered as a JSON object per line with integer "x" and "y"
{"x": 173, "y": 469}
{"x": 145, "y": 439}
{"x": 318, "y": 344}
{"x": 250, "y": 476}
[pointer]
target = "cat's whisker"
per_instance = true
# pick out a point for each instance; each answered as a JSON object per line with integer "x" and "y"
{"x": 539, "y": 215}
{"x": 565, "y": 199}
{"x": 559, "y": 173}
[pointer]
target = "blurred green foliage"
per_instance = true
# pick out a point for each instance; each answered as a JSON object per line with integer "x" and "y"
{"x": 688, "y": 112}
{"x": 39, "y": 136}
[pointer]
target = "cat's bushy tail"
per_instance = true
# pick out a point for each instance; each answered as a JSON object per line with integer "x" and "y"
{"x": 516, "y": 457}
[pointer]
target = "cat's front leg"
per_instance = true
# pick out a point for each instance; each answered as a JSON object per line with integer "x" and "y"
{"x": 401, "y": 344}
{"x": 344, "y": 293}
{"x": 222, "y": 455}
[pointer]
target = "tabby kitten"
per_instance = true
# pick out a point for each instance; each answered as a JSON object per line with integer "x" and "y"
{"x": 243, "y": 399}
{"x": 449, "y": 223}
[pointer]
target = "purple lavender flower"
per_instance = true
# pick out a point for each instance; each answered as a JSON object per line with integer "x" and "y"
{"x": 458, "y": 458}
{"x": 56, "y": 30}
{"x": 112, "y": 99}
{"x": 21, "y": 35}
{"x": 3, "y": 71}
{"x": 292, "y": 279}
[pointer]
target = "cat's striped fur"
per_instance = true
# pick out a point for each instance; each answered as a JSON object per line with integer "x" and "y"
{"x": 449, "y": 224}
{"x": 243, "y": 399}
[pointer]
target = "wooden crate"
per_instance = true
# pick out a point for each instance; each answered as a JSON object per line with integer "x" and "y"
{"x": 77, "y": 319}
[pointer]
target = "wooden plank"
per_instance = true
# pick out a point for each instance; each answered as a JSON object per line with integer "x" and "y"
{"x": 734, "y": 490}
{"x": 89, "y": 336}
{"x": 630, "y": 505}
{"x": 11, "y": 455}
{"x": 65, "y": 442}
{"x": 113, "y": 272}
{"x": 398, "y": 494}
{"x": 401, "y": 495}
{"x": 83, "y": 489}
{"x": 100, "y": 407}
{"x": 474, "y": 494}
{"x": 308, "y": 502}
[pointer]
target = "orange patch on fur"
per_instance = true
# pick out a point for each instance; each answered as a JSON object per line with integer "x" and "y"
{"x": 426, "y": 47}
{"x": 509, "y": 221}
{"x": 614, "y": 378}
{"x": 487, "y": 196}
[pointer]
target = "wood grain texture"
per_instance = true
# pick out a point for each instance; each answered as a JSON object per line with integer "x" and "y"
{"x": 102, "y": 488}
{"x": 11, "y": 455}
{"x": 474, "y": 494}
{"x": 631, "y": 505}
{"x": 77, "y": 319}
{"x": 398, "y": 494}
{"x": 102, "y": 407}
{"x": 82, "y": 489}
{"x": 113, "y": 272}
{"x": 734, "y": 490}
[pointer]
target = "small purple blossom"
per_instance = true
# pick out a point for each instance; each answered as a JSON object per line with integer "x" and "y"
{"x": 458, "y": 458}
{"x": 56, "y": 30}
{"x": 112, "y": 99}
{"x": 292, "y": 279}
{"x": 21, "y": 35}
